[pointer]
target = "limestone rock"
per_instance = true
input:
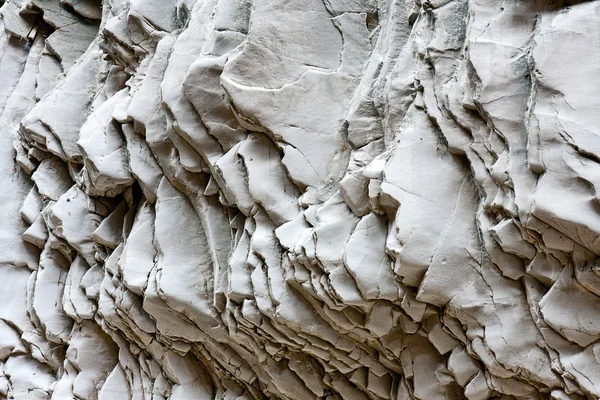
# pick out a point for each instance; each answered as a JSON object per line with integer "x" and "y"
{"x": 272, "y": 199}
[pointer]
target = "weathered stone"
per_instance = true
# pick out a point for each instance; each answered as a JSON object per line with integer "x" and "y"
{"x": 269, "y": 199}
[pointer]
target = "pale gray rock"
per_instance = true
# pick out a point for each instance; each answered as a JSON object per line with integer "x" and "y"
{"x": 265, "y": 199}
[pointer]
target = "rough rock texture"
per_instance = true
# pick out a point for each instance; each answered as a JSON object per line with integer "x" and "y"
{"x": 310, "y": 199}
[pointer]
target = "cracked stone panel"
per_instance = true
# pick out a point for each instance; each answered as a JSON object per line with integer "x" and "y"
{"x": 323, "y": 199}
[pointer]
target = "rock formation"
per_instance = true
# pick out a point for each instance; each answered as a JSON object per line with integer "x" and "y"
{"x": 299, "y": 199}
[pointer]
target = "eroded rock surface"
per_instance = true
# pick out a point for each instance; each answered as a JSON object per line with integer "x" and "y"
{"x": 316, "y": 199}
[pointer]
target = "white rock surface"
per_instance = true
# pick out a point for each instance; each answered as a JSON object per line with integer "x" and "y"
{"x": 274, "y": 199}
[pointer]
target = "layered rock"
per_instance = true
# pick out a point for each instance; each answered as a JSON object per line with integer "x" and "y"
{"x": 320, "y": 199}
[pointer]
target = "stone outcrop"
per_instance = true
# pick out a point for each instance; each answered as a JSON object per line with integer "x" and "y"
{"x": 311, "y": 199}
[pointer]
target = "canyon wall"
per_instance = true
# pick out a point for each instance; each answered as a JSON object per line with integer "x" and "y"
{"x": 299, "y": 199}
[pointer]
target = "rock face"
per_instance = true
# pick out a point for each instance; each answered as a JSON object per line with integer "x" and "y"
{"x": 311, "y": 199}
